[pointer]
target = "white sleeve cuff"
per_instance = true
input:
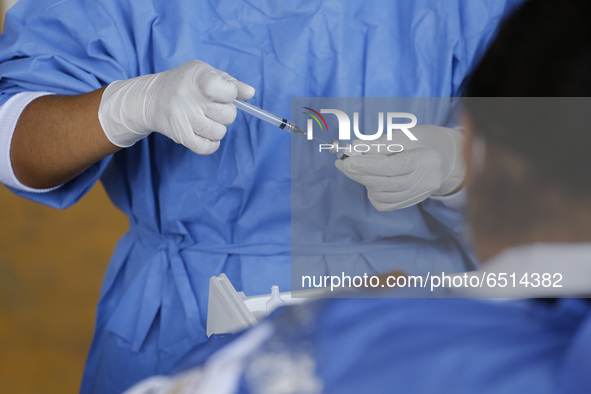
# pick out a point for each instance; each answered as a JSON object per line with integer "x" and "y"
{"x": 9, "y": 114}
{"x": 457, "y": 200}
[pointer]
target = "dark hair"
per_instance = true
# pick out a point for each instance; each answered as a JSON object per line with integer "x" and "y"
{"x": 542, "y": 49}
{"x": 536, "y": 77}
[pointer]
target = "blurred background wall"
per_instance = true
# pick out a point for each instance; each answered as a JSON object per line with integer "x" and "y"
{"x": 51, "y": 267}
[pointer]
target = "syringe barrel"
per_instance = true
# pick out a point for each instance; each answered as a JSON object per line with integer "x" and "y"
{"x": 260, "y": 113}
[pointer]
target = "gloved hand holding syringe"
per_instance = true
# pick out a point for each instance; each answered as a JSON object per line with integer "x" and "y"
{"x": 431, "y": 165}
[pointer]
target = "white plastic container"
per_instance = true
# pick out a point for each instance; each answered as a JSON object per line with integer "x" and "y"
{"x": 230, "y": 311}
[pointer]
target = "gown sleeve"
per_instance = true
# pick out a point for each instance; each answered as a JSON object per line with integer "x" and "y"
{"x": 56, "y": 47}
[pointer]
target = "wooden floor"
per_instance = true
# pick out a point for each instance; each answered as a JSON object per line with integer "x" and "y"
{"x": 51, "y": 267}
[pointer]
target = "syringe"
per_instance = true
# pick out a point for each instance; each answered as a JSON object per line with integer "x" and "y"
{"x": 268, "y": 117}
{"x": 343, "y": 151}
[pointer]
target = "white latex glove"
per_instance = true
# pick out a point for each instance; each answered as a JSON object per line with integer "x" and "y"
{"x": 190, "y": 104}
{"x": 432, "y": 165}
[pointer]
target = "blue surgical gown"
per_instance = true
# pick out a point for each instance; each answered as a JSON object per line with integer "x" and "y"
{"x": 423, "y": 345}
{"x": 190, "y": 216}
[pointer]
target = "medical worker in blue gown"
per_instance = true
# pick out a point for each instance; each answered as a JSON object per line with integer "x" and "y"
{"x": 204, "y": 197}
{"x": 519, "y": 343}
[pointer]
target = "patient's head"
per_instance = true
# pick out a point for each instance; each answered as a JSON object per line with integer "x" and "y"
{"x": 528, "y": 100}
